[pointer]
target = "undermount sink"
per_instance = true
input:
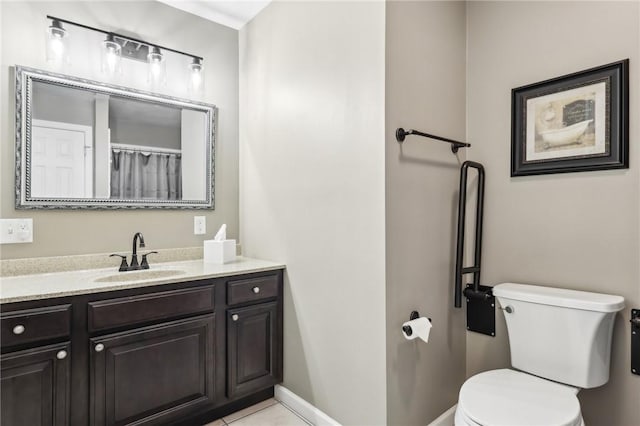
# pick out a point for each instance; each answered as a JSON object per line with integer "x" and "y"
{"x": 147, "y": 274}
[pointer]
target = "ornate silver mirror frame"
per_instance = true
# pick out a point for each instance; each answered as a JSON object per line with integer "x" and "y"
{"x": 24, "y": 91}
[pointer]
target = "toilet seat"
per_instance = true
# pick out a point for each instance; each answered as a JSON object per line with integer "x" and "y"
{"x": 512, "y": 398}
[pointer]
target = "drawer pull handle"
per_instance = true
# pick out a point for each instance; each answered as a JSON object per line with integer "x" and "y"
{"x": 61, "y": 355}
{"x": 18, "y": 329}
{"x": 234, "y": 317}
{"x": 256, "y": 289}
{"x": 99, "y": 347}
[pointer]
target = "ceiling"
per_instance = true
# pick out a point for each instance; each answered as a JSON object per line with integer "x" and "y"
{"x": 231, "y": 13}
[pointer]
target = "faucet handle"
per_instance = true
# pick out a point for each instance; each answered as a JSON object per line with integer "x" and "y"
{"x": 144, "y": 264}
{"x": 123, "y": 264}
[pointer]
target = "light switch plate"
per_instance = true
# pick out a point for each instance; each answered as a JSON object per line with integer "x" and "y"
{"x": 14, "y": 231}
{"x": 199, "y": 225}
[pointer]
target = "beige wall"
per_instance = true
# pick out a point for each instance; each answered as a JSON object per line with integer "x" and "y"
{"x": 576, "y": 230}
{"x": 75, "y": 232}
{"x": 425, "y": 90}
{"x": 312, "y": 193}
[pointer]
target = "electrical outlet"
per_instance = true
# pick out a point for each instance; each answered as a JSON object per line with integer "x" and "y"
{"x": 16, "y": 231}
{"x": 199, "y": 225}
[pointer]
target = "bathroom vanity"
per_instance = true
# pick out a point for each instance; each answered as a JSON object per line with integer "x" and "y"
{"x": 186, "y": 349}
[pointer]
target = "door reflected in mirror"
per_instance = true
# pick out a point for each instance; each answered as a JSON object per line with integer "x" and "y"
{"x": 84, "y": 143}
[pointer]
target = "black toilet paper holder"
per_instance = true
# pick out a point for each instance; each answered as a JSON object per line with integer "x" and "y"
{"x": 407, "y": 328}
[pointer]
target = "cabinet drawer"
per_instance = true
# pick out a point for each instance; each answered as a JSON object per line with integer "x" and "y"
{"x": 164, "y": 305}
{"x": 35, "y": 325}
{"x": 252, "y": 289}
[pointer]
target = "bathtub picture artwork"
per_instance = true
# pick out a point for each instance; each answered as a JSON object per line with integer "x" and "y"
{"x": 571, "y": 123}
{"x": 567, "y": 124}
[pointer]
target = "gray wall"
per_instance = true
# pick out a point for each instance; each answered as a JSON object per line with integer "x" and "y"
{"x": 144, "y": 123}
{"x": 66, "y": 105}
{"x": 134, "y": 133}
{"x": 312, "y": 193}
{"x": 577, "y": 230}
{"x": 76, "y": 232}
{"x": 425, "y": 90}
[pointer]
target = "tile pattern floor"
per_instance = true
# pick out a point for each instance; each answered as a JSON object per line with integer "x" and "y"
{"x": 266, "y": 413}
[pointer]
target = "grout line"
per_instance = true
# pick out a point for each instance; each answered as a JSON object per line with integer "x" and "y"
{"x": 251, "y": 414}
{"x": 294, "y": 412}
{"x": 216, "y": 420}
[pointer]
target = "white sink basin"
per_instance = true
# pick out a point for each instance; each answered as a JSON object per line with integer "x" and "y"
{"x": 146, "y": 274}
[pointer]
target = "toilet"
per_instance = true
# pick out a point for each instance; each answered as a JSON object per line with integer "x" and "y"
{"x": 560, "y": 342}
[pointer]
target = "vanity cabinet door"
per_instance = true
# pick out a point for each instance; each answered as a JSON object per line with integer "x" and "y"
{"x": 34, "y": 386}
{"x": 254, "y": 347}
{"x": 152, "y": 375}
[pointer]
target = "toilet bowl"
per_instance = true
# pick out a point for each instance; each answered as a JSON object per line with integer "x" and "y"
{"x": 511, "y": 398}
{"x": 560, "y": 342}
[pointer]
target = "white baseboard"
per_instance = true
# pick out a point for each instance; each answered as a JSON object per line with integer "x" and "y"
{"x": 310, "y": 413}
{"x": 446, "y": 419}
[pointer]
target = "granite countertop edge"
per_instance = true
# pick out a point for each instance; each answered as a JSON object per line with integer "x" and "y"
{"x": 42, "y": 286}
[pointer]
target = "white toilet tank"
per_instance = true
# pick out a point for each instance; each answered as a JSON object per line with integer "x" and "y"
{"x": 559, "y": 334}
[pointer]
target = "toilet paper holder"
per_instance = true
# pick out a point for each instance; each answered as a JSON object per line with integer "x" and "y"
{"x": 407, "y": 328}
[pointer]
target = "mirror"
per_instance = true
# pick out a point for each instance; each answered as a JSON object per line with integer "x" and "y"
{"x": 85, "y": 144}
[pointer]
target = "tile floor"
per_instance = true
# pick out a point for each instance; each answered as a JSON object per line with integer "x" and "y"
{"x": 265, "y": 413}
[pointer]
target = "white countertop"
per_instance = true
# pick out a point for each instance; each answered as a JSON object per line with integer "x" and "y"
{"x": 61, "y": 284}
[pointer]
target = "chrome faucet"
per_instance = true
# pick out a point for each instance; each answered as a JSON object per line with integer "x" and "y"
{"x": 134, "y": 257}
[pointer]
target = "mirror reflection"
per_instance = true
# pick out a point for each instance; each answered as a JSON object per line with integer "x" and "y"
{"x": 98, "y": 145}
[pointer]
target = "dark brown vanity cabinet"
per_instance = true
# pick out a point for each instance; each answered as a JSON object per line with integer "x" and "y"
{"x": 252, "y": 348}
{"x": 35, "y": 375}
{"x": 153, "y": 373}
{"x": 158, "y": 355}
{"x": 254, "y": 327}
{"x": 35, "y": 386}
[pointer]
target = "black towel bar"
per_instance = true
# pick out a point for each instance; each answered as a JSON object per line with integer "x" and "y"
{"x": 455, "y": 145}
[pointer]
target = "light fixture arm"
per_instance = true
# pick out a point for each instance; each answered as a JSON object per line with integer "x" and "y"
{"x": 123, "y": 37}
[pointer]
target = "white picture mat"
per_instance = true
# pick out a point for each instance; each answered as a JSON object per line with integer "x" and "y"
{"x": 599, "y": 89}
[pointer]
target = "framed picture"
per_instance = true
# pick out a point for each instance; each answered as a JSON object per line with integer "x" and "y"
{"x": 574, "y": 123}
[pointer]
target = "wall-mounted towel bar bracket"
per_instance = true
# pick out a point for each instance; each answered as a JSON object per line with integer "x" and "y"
{"x": 401, "y": 134}
{"x": 635, "y": 341}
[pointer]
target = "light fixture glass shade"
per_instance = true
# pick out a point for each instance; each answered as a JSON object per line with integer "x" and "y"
{"x": 157, "y": 74}
{"x": 111, "y": 55}
{"x": 57, "y": 40}
{"x": 196, "y": 76}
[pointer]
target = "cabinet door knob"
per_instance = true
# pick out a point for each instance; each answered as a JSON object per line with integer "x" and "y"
{"x": 235, "y": 317}
{"x": 61, "y": 355}
{"x": 256, "y": 290}
{"x": 18, "y": 329}
{"x": 99, "y": 347}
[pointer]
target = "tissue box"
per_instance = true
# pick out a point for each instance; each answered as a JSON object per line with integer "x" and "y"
{"x": 219, "y": 251}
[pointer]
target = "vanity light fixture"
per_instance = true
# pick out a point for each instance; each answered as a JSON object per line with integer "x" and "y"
{"x": 157, "y": 67}
{"x": 111, "y": 54}
{"x": 196, "y": 77}
{"x": 116, "y": 46}
{"x": 56, "y": 35}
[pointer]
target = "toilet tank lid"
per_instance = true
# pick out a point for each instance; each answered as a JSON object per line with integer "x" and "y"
{"x": 560, "y": 297}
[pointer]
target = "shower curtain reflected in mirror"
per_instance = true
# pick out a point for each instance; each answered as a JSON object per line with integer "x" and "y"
{"x": 145, "y": 175}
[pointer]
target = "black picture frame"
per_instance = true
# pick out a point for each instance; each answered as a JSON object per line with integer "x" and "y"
{"x": 574, "y": 123}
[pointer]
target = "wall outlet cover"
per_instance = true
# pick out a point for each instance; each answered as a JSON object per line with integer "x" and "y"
{"x": 199, "y": 225}
{"x": 14, "y": 231}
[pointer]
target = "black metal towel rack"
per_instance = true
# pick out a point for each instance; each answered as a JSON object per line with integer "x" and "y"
{"x": 455, "y": 145}
{"x": 473, "y": 292}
